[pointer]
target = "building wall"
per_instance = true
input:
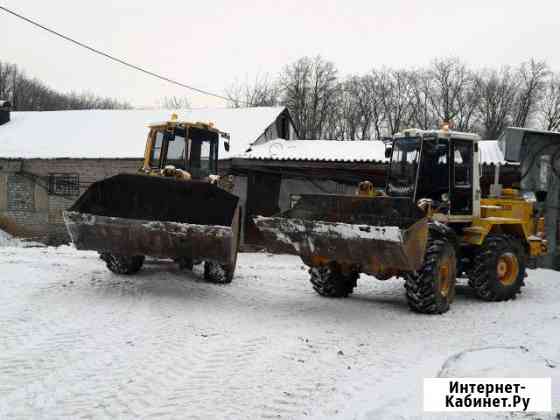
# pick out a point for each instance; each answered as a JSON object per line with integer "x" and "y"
{"x": 31, "y": 209}
{"x": 541, "y": 155}
{"x": 289, "y": 187}
{"x": 281, "y": 128}
{"x": 240, "y": 190}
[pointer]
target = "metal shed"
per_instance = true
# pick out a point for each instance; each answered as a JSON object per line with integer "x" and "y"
{"x": 538, "y": 153}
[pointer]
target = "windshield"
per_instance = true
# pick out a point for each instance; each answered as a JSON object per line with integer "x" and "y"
{"x": 203, "y": 152}
{"x": 201, "y": 158}
{"x": 176, "y": 152}
{"x": 404, "y": 164}
{"x": 194, "y": 150}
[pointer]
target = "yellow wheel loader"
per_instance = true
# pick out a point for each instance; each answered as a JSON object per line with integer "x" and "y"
{"x": 429, "y": 227}
{"x": 173, "y": 208}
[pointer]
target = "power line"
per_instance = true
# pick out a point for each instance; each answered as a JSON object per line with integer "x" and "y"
{"x": 113, "y": 58}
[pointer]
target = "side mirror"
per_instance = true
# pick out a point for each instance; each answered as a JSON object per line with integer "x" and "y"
{"x": 388, "y": 152}
{"x": 226, "y": 146}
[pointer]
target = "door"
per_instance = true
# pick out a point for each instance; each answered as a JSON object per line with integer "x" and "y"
{"x": 263, "y": 192}
{"x": 461, "y": 191}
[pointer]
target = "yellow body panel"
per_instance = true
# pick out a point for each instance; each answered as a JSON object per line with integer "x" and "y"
{"x": 508, "y": 215}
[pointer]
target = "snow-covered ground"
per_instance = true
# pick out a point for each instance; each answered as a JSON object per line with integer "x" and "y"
{"x": 79, "y": 342}
{"x": 7, "y": 240}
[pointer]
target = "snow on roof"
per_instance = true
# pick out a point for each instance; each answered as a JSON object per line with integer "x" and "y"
{"x": 119, "y": 133}
{"x": 345, "y": 151}
{"x": 319, "y": 150}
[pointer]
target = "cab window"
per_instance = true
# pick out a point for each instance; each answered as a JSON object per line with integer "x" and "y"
{"x": 155, "y": 155}
{"x": 203, "y": 152}
{"x": 463, "y": 164}
{"x": 176, "y": 148}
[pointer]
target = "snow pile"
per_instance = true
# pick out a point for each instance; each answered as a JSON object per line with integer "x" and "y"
{"x": 7, "y": 240}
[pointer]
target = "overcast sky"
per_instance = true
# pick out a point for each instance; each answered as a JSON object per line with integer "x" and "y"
{"x": 210, "y": 43}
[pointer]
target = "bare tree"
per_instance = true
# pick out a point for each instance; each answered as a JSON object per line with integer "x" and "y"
{"x": 550, "y": 104}
{"x": 263, "y": 91}
{"x": 451, "y": 92}
{"x": 421, "y": 109}
{"x": 368, "y": 100}
{"x": 351, "y": 115}
{"x": 396, "y": 97}
{"x": 175, "y": 102}
{"x": 531, "y": 77}
{"x": 28, "y": 94}
{"x": 309, "y": 90}
{"x": 372, "y": 107}
{"x": 338, "y": 115}
{"x": 497, "y": 93}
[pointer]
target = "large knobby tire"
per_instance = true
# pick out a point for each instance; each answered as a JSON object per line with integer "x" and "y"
{"x": 499, "y": 268}
{"x": 329, "y": 281}
{"x": 121, "y": 264}
{"x": 218, "y": 273}
{"x": 431, "y": 290}
{"x": 222, "y": 273}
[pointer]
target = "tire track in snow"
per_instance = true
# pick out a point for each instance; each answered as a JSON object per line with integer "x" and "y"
{"x": 170, "y": 382}
{"x": 49, "y": 339}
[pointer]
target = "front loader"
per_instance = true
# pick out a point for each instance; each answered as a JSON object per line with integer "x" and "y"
{"x": 429, "y": 226}
{"x": 173, "y": 208}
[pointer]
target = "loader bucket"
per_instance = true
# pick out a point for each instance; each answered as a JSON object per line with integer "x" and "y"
{"x": 156, "y": 216}
{"x": 377, "y": 235}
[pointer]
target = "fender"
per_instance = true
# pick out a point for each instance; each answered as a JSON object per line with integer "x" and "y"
{"x": 440, "y": 230}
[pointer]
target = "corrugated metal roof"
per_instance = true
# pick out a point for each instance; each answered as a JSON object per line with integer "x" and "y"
{"x": 490, "y": 153}
{"x": 319, "y": 150}
{"x": 345, "y": 151}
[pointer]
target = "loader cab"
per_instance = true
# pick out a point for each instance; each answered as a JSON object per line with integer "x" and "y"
{"x": 439, "y": 165}
{"x": 189, "y": 147}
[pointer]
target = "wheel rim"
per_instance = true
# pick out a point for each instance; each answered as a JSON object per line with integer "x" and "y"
{"x": 507, "y": 269}
{"x": 444, "y": 274}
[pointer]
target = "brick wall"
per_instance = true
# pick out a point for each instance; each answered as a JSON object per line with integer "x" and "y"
{"x": 27, "y": 208}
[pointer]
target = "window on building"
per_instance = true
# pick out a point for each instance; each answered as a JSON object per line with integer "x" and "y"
{"x": 64, "y": 184}
{"x": 20, "y": 193}
{"x": 284, "y": 128}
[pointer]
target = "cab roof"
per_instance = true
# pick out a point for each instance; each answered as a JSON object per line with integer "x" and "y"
{"x": 188, "y": 124}
{"x": 442, "y": 133}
